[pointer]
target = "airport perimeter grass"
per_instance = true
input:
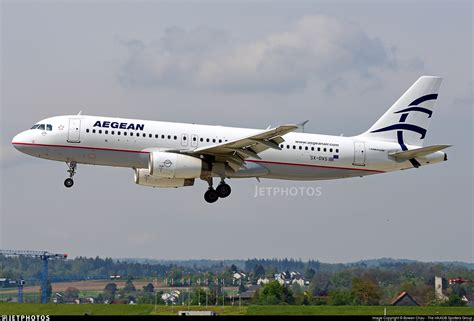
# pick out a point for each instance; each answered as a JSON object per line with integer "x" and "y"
{"x": 102, "y": 309}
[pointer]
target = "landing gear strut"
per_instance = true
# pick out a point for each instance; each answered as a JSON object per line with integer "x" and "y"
{"x": 72, "y": 170}
{"x": 212, "y": 195}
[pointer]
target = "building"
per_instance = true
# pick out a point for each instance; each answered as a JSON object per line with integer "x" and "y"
{"x": 404, "y": 299}
{"x": 262, "y": 281}
{"x": 439, "y": 289}
{"x": 249, "y": 294}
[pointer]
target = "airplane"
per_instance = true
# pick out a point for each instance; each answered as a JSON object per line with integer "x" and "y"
{"x": 167, "y": 154}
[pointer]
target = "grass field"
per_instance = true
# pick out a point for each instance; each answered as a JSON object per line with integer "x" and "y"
{"x": 102, "y": 309}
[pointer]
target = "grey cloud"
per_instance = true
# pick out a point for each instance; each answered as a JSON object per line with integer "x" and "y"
{"x": 315, "y": 48}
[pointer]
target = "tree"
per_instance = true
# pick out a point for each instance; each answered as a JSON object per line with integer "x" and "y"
{"x": 71, "y": 293}
{"x": 340, "y": 297}
{"x": 365, "y": 291}
{"x": 275, "y": 293}
{"x": 258, "y": 271}
{"x": 454, "y": 300}
{"x": 198, "y": 297}
{"x": 320, "y": 284}
{"x": 109, "y": 291}
{"x": 233, "y": 268}
{"x": 129, "y": 287}
{"x": 149, "y": 288}
{"x": 309, "y": 274}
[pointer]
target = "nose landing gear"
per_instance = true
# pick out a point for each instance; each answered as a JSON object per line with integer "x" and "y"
{"x": 72, "y": 170}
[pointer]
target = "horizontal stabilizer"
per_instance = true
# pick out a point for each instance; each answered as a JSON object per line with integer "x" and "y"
{"x": 417, "y": 152}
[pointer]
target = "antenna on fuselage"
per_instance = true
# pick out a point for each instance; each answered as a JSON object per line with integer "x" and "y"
{"x": 79, "y": 113}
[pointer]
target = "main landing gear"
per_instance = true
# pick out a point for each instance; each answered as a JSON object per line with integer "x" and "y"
{"x": 222, "y": 191}
{"x": 72, "y": 170}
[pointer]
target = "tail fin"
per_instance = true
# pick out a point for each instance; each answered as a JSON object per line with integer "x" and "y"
{"x": 407, "y": 121}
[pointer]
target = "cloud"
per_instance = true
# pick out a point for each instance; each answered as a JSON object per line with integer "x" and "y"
{"x": 316, "y": 48}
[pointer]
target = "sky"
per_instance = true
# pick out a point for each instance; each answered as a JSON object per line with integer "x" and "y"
{"x": 338, "y": 64}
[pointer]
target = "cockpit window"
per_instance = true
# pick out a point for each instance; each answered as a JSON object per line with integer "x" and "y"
{"x": 41, "y": 127}
{"x": 35, "y": 126}
{"x": 49, "y": 127}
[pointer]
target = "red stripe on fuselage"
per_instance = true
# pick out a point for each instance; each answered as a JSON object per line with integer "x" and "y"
{"x": 255, "y": 161}
{"x": 83, "y": 147}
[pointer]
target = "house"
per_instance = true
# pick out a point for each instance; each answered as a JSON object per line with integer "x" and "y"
{"x": 404, "y": 299}
{"x": 262, "y": 281}
{"x": 469, "y": 300}
{"x": 171, "y": 297}
{"x": 288, "y": 278}
{"x": 249, "y": 294}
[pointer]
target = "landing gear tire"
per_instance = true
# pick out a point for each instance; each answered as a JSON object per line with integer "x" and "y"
{"x": 223, "y": 190}
{"x": 68, "y": 182}
{"x": 211, "y": 195}
{"x": 72, "y": 170}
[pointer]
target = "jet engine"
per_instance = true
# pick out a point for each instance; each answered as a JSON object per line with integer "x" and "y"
{"x": 143, "y": 177}
{"x": 172, "y": 165}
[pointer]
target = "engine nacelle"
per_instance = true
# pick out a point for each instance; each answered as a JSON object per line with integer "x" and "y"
{"x": 172, "y": 165}
{"x": 143, "y": 177}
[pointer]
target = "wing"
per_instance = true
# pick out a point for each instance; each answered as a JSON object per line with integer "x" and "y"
{"x": 236, "y": 151}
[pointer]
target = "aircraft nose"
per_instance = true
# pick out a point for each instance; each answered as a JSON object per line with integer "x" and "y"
{"x": 18, "y": 140}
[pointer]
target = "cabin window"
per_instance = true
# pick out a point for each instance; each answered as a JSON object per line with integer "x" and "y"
{"x": 118, "y": 133}
{"x": 112, "y": 132}
{"x": 337, "y": 150}
{"x": 306, "y": 148}
{"x": 201, "y": 139}
{"x": 324, "y": 149}
{"x": 301, "y": 147}
{"x": 124, "y": 133}
{"x": 220, "y": 140}
{"x": 294, "y": 147}
{"x": 312, "y": 149}
{"x": 288, "y": 146}
{"x": 100, "y": 131}
{"x": 169, "y": 136}
{"x": 194, "y": 139}
{"x": 319, "y": 149}
{"x": 207, "y": 140}
{"x": 184, "y": 137}
{"x": 175, "y": 137}
{"x": 106, "y": 132}
{"x": 330, "y": 150}
{"x": 214, "y": 140}
{"x": 93, "y": 131}
{"x": 87, "y": 130}
{"x": 156, "y": 136}
{"x": 144, "y": 135}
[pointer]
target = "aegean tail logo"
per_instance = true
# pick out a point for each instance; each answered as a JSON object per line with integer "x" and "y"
{"x": 413, "y": 107}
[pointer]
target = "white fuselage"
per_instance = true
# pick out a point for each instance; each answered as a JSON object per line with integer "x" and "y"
{"x": 127, "y": 142}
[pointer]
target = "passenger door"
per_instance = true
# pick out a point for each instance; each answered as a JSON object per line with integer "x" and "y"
{"x": 74, "y": 131}
{"x": 359, "y": 154}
